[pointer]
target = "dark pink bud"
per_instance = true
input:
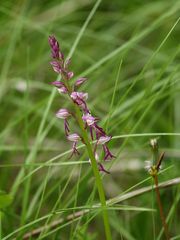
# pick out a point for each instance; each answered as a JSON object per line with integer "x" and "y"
{"x": 70, "y": 75}
{"x": 80, "y": 81}
{"x": 57, "y": 84}
{"x": 54, "y": 47}
{"x": 53, "y": 42}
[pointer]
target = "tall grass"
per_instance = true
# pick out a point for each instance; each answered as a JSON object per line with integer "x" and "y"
{"x": 129, "y": 50}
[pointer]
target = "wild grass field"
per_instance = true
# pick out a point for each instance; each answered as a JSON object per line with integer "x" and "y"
{"x": 129, "y": 52}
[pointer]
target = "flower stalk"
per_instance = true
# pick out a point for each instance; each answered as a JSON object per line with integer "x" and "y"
{"x": 87, "y": 124}
{"x": 153, "y": 171}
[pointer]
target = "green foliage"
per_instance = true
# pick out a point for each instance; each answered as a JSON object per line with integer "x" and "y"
{"x": 129, "y": 51}
{"x": 5, "y": 200}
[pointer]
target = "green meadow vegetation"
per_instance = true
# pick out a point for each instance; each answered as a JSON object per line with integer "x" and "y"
{"x": 129, "y": 51}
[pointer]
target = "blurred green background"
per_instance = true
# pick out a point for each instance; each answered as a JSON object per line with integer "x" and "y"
{"x": 129, "y": 48}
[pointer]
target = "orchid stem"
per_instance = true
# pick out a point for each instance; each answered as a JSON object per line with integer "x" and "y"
{"x": 96, "y": 173}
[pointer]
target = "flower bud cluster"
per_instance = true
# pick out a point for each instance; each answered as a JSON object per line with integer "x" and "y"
{"x": 60, "y": 66}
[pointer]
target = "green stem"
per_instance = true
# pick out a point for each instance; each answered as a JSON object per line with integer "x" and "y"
{"x": 163, "y": 219}
{"x": 96, "y": 173}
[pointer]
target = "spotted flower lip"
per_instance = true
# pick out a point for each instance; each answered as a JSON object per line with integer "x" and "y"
{"x": 104, "y": 139}
{"x": 63, "y": 113}
{"x": 74, "y": 137}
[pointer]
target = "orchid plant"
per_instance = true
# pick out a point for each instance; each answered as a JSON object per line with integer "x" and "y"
{"x": 61, "y": 66}
{"x": 90, "y": 133}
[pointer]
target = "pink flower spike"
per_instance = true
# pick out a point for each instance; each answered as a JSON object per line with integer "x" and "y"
{"x": 103, "y": 139}
{"x": 54, "y": 47}
{"x": 80, "y": 81}
{"x": 63, "y": 113}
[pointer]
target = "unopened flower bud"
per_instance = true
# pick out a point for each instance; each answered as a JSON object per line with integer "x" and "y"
{"x": 63, "y": 113}
{"x": 70, "y": 75}
{"x": 80, "y": 81}
{"x": 62, "y": 90}
{"x": 154, "y": 143}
